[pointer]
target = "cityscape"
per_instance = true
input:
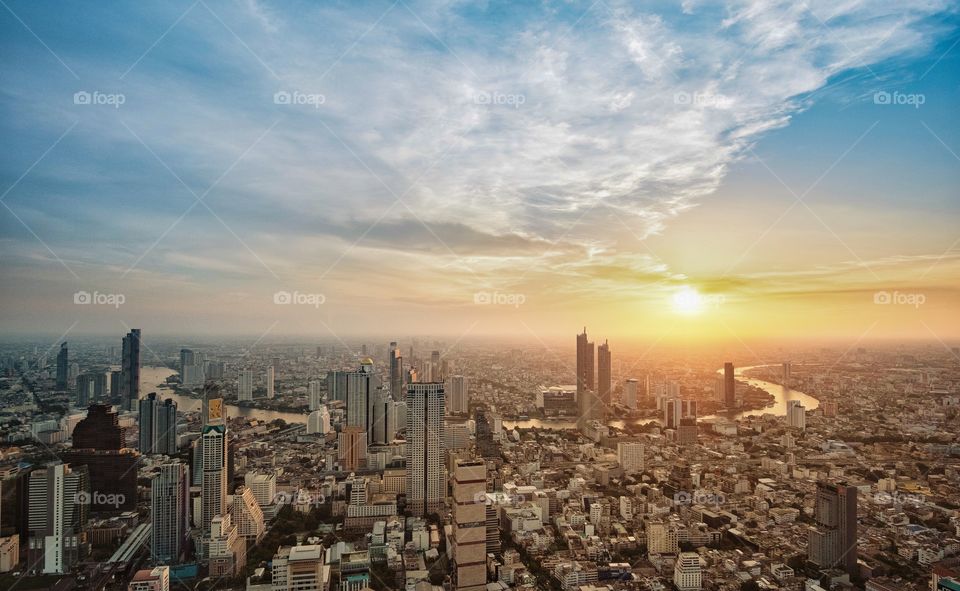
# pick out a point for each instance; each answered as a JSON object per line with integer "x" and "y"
{"x": 480, "y": 296}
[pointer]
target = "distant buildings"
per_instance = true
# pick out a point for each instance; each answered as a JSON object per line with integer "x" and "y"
{"x": 585, "y": 375}
{"x": 99, "y": 444}
{"x": 426, "y": 485}
{"x": 604, "y": 378}
{"x": 833, "y": 537}
{"x": 318, "y": 422}
{"x": 630, "y": 457}
{"x": 63, "y": 367}
{"x": 630, "y": 394}
{"x": 316, "y": 395}
{"x": 245, "y": 385}
{"x": 270, "y": 377}
{"x": 796, "y": 415}
{"x": 158, "y": 425}
{"x": 458, "y": 400}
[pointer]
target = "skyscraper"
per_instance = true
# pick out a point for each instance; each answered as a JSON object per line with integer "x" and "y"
{"x": 170, "y": 512}
{"x": 604, "y": 379}
{"x": 585, "y": 376}
{"x": 99, "y": 444}
{"x": 352, "y": 448}
{"x": 425, "y": 432}
{"x": 729, "y": 385}
{"x": 396, "y": 372}
{"x": 316, "y": 395}
{"x": 158, "y": 425}
{"x": 486, "y": 446}
{"x": 213, "y": 455}
{"x": 365, "y": 403}
{"x": 63, "y": 366}
{"x": 436, "y": 375}
{"x": 130, "y": 370}
{"x": 833, "y": 537}
{"x": 57, "y": 515}
{"x": 458, "y": 400}
{"x": 469, "y": 539}
{"x": 271, "y": 375}
{"x": 630, "y": 393}
{"x": 796, "y": 415}
{"x": 245, "y": 385}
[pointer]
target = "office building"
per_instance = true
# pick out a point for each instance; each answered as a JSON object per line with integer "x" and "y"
{"x": 833, "y": 537}
{"x": 729, "y": 386}
{"x": 57, "y": 516}
{"x": 245, "y": 385}
{"x": 63, "y": 367}
{"x": 426, "y": 485}
{"x": 130, "y": 370}
{"x": 263, "y": 487}
{"x": 352, "y": 448}
{"x": 158, "y": 425}
{"x": 687, "y": 575}
{"x": 300, "y": 568}
{"x": 99, "y": 445}
{"x": 170, "y": 512}
{"x": 469, "y": 539}
{"x": 316, "y": 395}
{"x": 213, "y": 454}
{"x": 796, "y": 415}
{"x": 247, "y": 515}
{"x": 630, "y": 457}
{"x": 630, "y": 394}
{"x": 585, "y": 375}
{"x": 396, "y": 372}
{"x": 458, "y": 401}
{"x": 270, "y": 377}
{"x": 604, "y": 378}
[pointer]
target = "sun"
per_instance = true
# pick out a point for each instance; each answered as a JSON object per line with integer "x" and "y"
{"x": 687, "y": 301}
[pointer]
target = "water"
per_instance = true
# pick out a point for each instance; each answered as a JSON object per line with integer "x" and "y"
{"x": 781, "y": 395}
{"x": 152, "y": 379}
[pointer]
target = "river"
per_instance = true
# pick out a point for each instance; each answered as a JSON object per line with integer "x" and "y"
{"x": 153, "y": 379}
{"x": 781, "y": 394}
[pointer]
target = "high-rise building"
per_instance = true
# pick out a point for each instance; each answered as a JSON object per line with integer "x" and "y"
{"x": 425, "y": 436}
{"x": 56, "y": 516}
{"x": 226, "y": 549}
{"x": 99, "y": 445}
{"x": 115, "y": 385}
{"x": 248, "y": 515}
{"x": 263, "y": 486}
{"x": 486, "y": 445}
{"x": 213, "y": 491}
{"x": 672, "y": 413}
{"x": 316, "y": 395}
{"x": 363, "y": 402}
{"x": 469, "y": 539}
{"x": 63, "y": 366}
{"x": 729, "y": 386}
{"x": 604, "y": 378}
{"x": 436, "y": 375}
{"x": 352, "y": 448}
{"x": 130, "y": 370}
{"x": 833, "y": 537}
{"x": 170, "y": 512}
{"x": 787, "y": 371}
{"x": 396, "y": 372}
{"x": 158, "y": 425}
{"x": 271, "y": 375}
{"x": 796, "y": 415}
{"x": 630, "y": 457}
{"x": 585, "y": 377}
{"x": 299, "y": 568}
{"x": 90, "y": 387}
{"x": 245, "y": 385}
{"x": 318, "y": 423}
{"x": 630, "y": 394}
{"x": 336, "y": 386}
{"x": 687, "y": 575}
{"x": 458, "y": 400}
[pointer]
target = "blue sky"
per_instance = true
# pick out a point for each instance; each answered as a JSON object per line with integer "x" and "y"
{"x": 581, "y": 153}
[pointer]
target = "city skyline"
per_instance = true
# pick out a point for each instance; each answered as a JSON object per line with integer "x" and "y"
{"x": 597, "y": 162}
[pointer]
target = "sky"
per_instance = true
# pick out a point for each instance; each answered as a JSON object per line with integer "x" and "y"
{"x": 694, "y": 171}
